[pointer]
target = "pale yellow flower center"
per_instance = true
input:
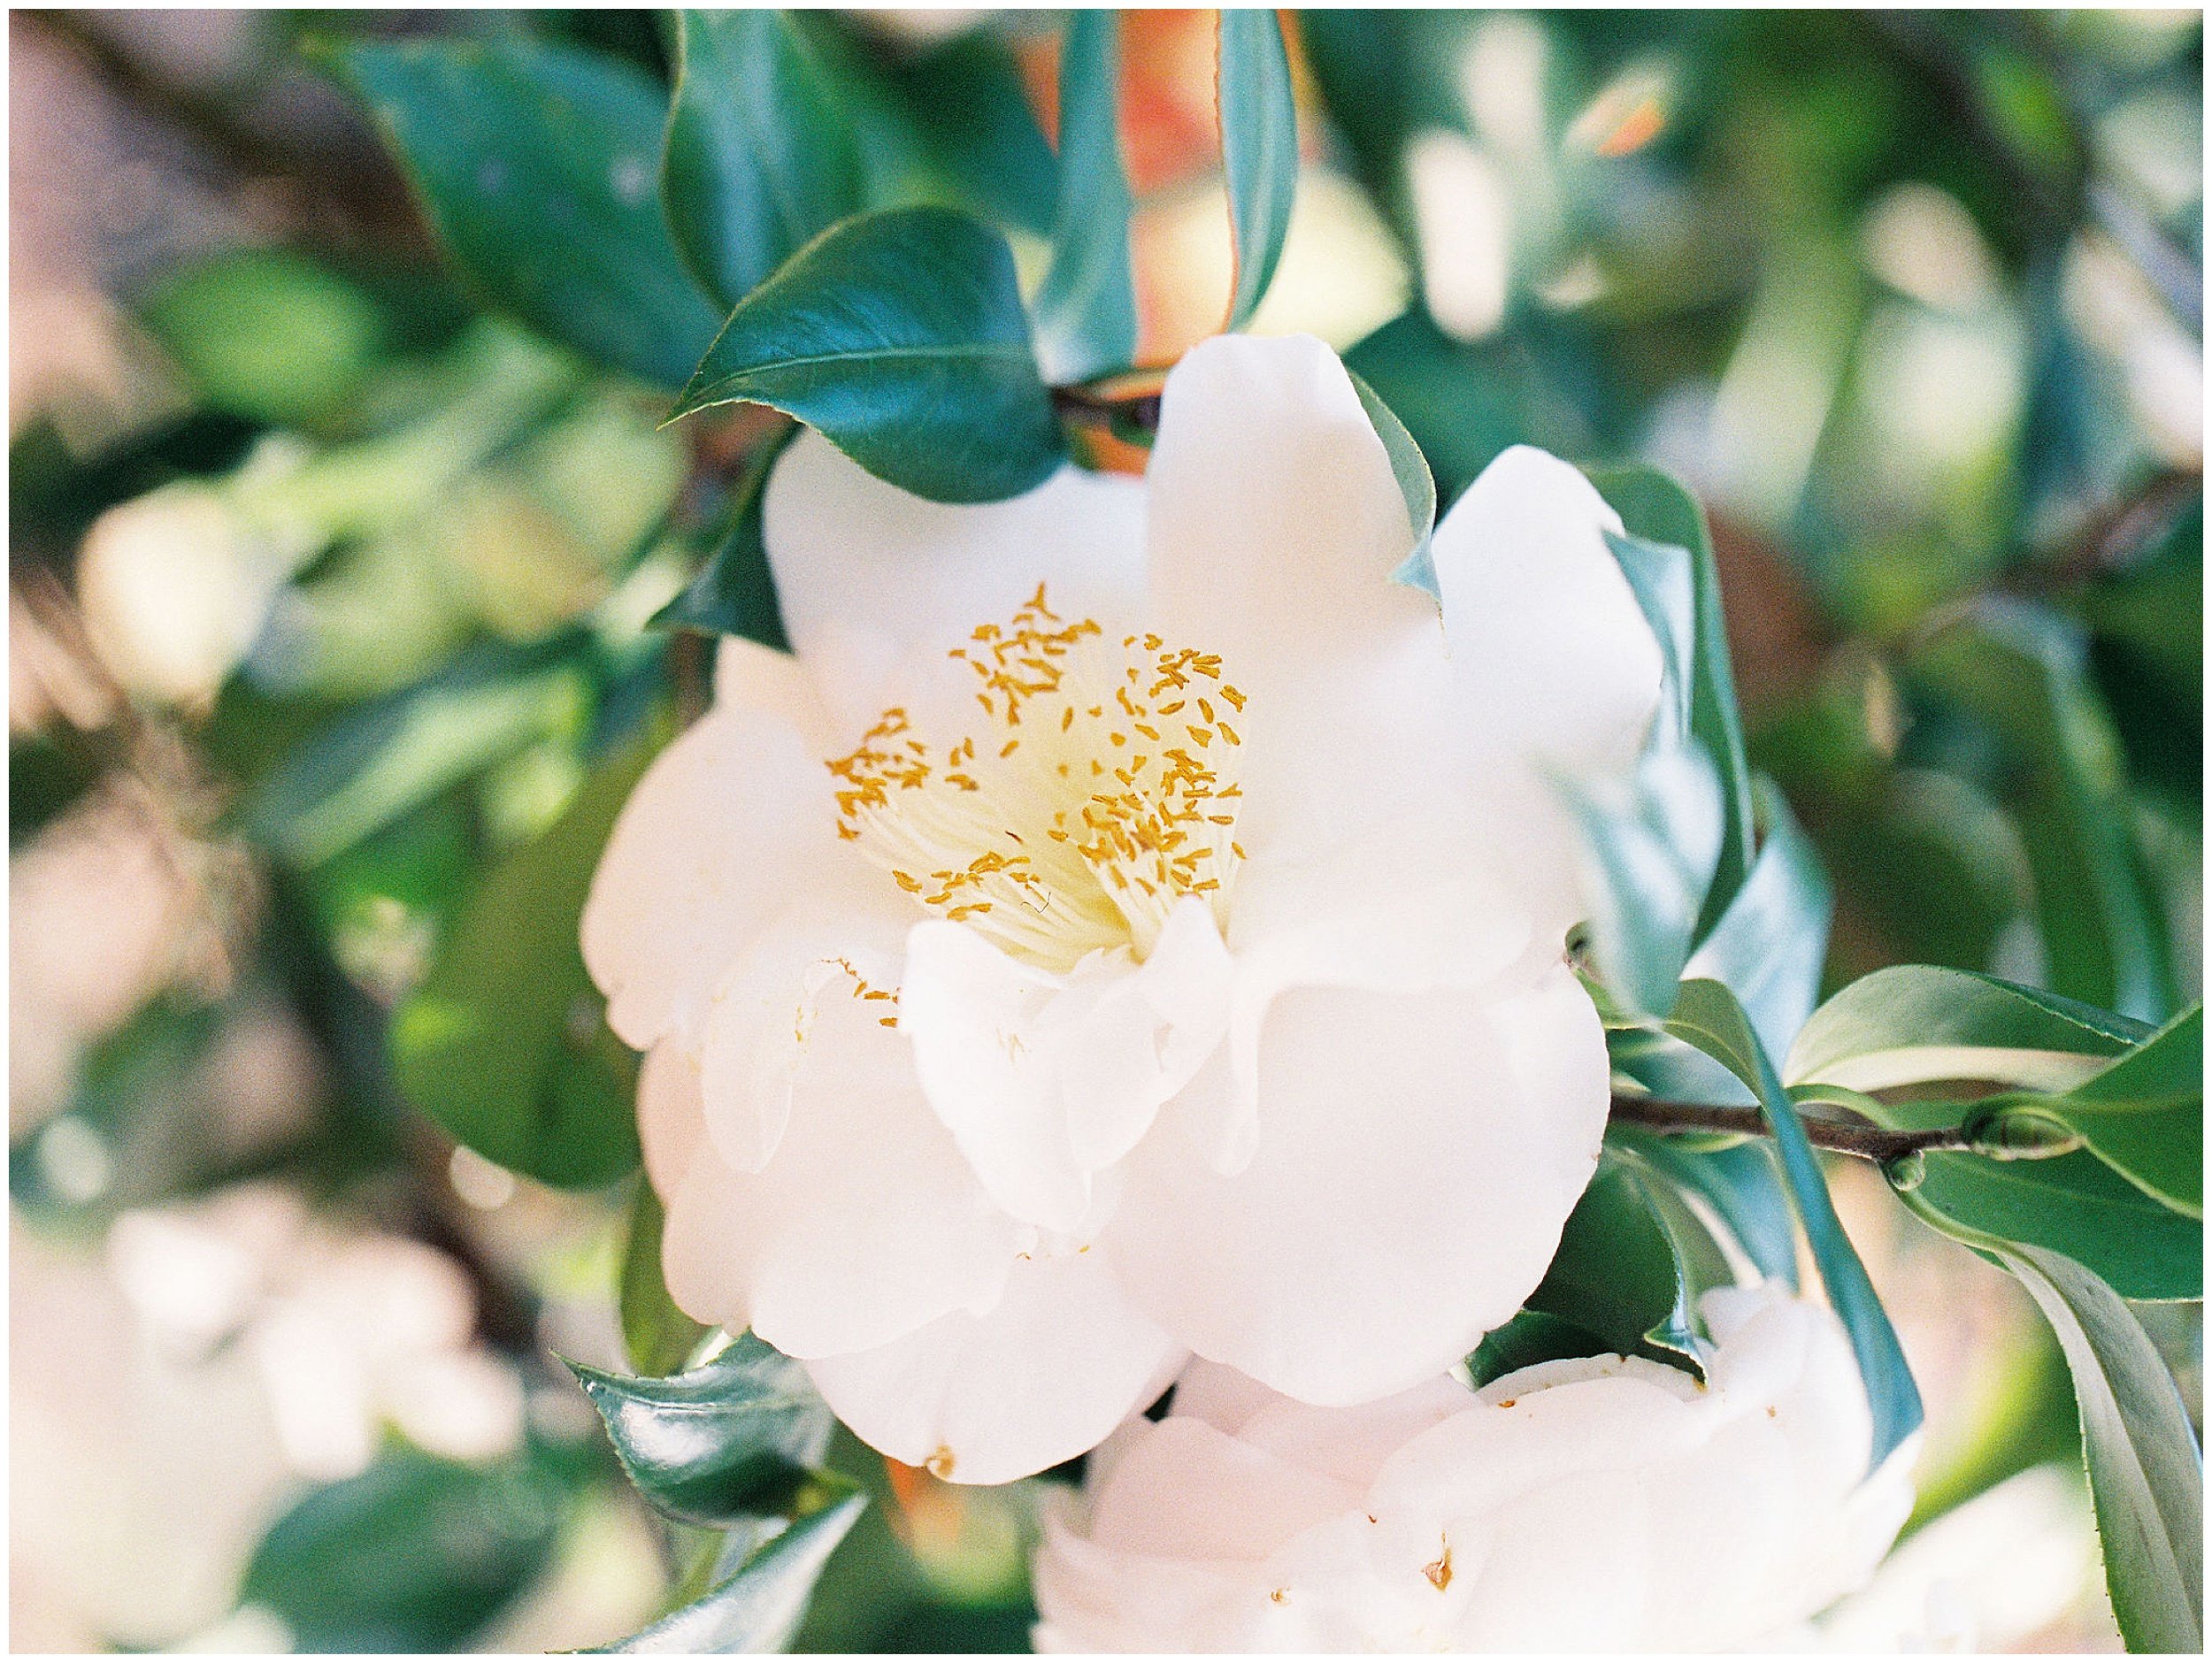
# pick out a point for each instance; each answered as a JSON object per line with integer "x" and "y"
{"x": 1096, "y": 796}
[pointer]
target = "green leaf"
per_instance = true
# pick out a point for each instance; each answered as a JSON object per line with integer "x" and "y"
{"x": 1652, "y": 838}
{"x": 1655, "y": 508}
{"x": 760, "y": 155}
{"x": 1769, "y": 944}
{"x": 1661, "y": 578}
{"x": 417, "y": 1553}
{"x": 1259, "y": 150}
{"x": 1913, "y": 1024}
{"x": 1086, "y": 309}
{"x": 2071, "y": 1203}
{"x": 2144, "y": 1115}
{"x": 901, "y": 336}
{"x": 734, "y": 593}
{"x": 534, "y": 163}
{"x": 1618, "y": 1275}
{"x": 1709, "y": 1017}
{"x": 380, "y": 760}
{"x": 2146, "y": 1471}
{"x": 730, "y": 1441}
{"x": 1416, "y": 484}
{"x": 504, "y": 1043}
{"x": 1739, "y": 1182}
{"x": 2022, "y": 671}
{"x": 658, "y": 1334}
{"x": 758, "y": 1605}
{"x": 1529, "y": 1337}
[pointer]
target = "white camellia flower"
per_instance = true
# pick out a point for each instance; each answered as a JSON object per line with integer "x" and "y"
{"x": 1595, "y": 1505}
{"x": 1130, "y": 925}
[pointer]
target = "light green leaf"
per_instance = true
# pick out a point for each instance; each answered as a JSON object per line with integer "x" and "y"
{"x": 1912, "y": 1024}
{"x": 1086, "y": 309}
{"x": 760, "y": 155}
{"x": 2144, "y": 1115}
{"x": 534, "y": 162}
{"x": 2146, "y": 1471}
{"x": 1416, "y": 485}
{"x": 1770, "y": 942}
{"x": 759, "y": 1606}
{"x": 1259, "y": 150}
{"x": 1655, "y": 509}
{"x": 2072, "y": 1204}
{"x": 734, "y": 593}
{"x": 373, "y": 764}
{"x": 732, "y": 1440}
{"x": 1739, "y": 1181}
{"x": 1709, "y": 1017}
{"x": 505, "y": 1043}
{"x": 1652, "y": 838}
{"x": 901, "y": 337}
{"x": 658, "y": 1334}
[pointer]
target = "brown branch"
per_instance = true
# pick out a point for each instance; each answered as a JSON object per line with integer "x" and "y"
{"x": 1862, "y": 1139}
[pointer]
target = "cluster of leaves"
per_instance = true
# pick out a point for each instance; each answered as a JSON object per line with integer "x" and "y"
{"x": 766, "y": 209}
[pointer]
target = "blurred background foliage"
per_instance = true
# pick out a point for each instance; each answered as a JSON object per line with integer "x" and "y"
{"x": 329, "y": 666}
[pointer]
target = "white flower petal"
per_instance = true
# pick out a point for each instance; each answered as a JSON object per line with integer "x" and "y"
{"x": 1417, "y": 1158}
{"x": 672, "y": 1123}
{"x": 1554, "y": 659}
{"x": 732, "y": 819}
{"x": 1037, "y": 1379}
{"x": 1044, "y": 1079}
{"x": 873, "y": 581}
{"x": 865, "y": 1225}
{"x": 1275, "y": 525}
{"x": 1598, "y": 1505}
{"x": 749, "y": 675}
{"x": 1406, "y": 911}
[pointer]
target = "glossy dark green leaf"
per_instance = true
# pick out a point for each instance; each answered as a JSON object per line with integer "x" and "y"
{"x": 1655, "y": 509}
{"x": 2143, "y": 1114}
{"x": 1769, "y": 944}
{"x": 417, "y": 1553}
{"x": 2022, "y": 670}
{"x": 1086, "y": 308}
{"x": 901, "y": 336}
{"x": 948, "y": 122}
{"x": 1650, "y": 840}
{"x": 730, "y": 1440}
{"x": 760, "y": 155}
{"x": 1618, "y": 1275}
{"x": 381, "y": 759}
{"x": 1416, "y": 485}
{"x": 536, "y": 163}
{"x": 658, "y": 1336}
{"x": 759, "y": 1604}
{"x": 734, "y": 593}
{"x": 1259, "y": 150}
{"x": 1527, "y": 1338}
{"x": 2146, "y": 1469}
{"x": 505, "y": 1043}
{"x": 1915, "y": 1023}
{"x": 1709, "y": 1017}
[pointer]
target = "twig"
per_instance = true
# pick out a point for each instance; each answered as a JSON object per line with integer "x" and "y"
{"x": 1850, "y": 1137}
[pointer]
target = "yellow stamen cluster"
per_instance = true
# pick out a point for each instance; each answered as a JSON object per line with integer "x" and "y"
{"x": 1096, "y": 802}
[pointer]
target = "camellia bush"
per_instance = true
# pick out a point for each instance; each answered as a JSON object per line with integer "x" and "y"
{"x": 1199, "y": 965}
